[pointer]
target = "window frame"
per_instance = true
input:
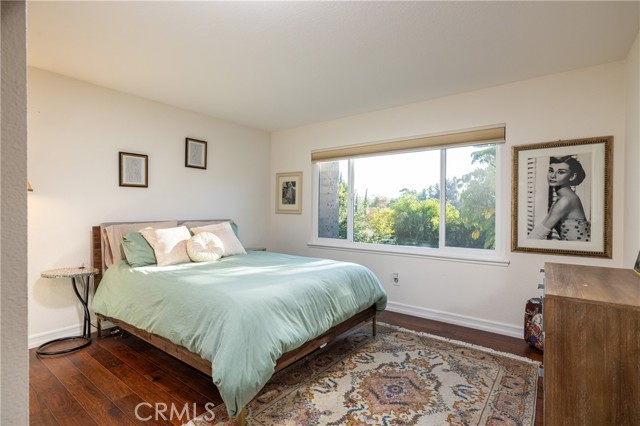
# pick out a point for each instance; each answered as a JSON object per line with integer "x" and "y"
{"x": 458, "y": 254}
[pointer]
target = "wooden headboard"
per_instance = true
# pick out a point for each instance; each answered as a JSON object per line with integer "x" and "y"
{"x": 97, "y": 250}
{"x": 97, "y": 255}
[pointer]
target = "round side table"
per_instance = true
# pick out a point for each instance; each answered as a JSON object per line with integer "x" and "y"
{"x": 76, "y": 274}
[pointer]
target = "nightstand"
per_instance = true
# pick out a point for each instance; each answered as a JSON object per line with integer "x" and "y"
{"x": 76, "y": 274}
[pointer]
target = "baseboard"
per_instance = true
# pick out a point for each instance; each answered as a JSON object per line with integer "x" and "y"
{"x": 40, "y": 338}
{"x": 465, "y": 321}
{"x": 36, "y": 340}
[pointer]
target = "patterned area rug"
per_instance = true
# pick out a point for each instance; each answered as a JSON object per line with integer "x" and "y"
{"x": 398, "y": 378}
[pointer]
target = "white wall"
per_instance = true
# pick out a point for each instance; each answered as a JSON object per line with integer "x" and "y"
{"x": 632, "y": 157}
{"x": 583, "y": 103}
{"x": 75, "y": 133}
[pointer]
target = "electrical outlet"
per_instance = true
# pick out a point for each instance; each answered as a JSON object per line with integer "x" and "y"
{"x": 396, "y": 279}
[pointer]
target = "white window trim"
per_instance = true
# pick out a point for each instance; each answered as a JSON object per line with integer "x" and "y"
{"x": 455, "y": 254}
{"x": 445, "y": 254}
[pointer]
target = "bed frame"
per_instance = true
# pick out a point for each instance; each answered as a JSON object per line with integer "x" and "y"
{"x": 201, "y": 364}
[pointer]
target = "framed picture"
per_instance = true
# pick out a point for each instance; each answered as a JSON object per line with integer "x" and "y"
{"x": 134, "y": 170}
{"x": 195, "y": 154}
{"x": 561, "y": 197}
{"x": 289, "y": 192}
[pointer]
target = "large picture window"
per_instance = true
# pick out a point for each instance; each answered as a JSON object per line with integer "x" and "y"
{"x": 432, "y": 197}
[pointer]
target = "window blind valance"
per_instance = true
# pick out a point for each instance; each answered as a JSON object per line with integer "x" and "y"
{"x": 468, "y": 137}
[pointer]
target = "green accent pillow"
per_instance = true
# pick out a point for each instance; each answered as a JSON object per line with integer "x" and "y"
{"x": 137, "y": 250}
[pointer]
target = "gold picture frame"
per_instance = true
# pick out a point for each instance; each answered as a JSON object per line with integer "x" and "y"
{"x": 289, "y": 192}
{"x": 562, "y": 197}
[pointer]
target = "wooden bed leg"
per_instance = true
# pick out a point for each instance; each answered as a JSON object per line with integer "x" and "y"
{"x": 99, "y": 326}
{"x": 374, "y": 326}
{"x": 242, "y": 417}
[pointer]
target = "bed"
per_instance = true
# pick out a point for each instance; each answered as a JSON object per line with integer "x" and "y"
{"x": 238, "y": 319}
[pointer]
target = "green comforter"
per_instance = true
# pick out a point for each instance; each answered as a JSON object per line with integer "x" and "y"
{"x": 242, "y": 312}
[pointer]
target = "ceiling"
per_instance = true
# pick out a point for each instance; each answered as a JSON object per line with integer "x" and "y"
{"x": 277, "y": 65}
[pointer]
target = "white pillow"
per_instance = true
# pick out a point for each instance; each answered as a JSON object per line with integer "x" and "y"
{"x": 231, "y": 245}
{"x": 204, "y": 247}
{"x": 169, "y": 245}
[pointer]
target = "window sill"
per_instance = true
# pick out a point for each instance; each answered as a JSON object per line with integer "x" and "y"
{"x": 424, "y": 253}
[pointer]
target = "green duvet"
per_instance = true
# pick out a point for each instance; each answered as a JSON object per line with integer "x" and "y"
{"x": 241, "y": 312}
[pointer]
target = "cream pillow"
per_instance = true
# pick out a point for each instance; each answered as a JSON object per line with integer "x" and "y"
{"x": 231, "y": 245}
{"x": 204, "y": 247}
{"x": 169, "y": 245}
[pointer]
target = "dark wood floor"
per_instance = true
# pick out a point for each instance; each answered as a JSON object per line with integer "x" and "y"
{"x": 111, "y": 380}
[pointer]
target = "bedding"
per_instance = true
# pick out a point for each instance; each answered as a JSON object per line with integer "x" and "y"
{"x": 231, "y": 245}
{"x": 112, "y": 237}
{"x": 137, "y": 250}
{"x": 241, "y": 312}
{"x": 169, "y": 244}
{"x": 199, "y": 223}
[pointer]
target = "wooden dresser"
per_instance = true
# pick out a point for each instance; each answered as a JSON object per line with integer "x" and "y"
{"x": 592, "y": 346}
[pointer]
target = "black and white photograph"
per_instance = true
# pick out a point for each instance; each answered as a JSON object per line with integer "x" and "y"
{"x": 289, "y": 192}
{"x": 134, "y": 170}
{"x": 195, "y": 153}
{"x": 561, "y": 197}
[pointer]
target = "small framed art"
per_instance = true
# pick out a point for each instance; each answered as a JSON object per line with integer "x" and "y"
{"x": 561, "y": 197}
{"x": 195, "y": 154}
{"x": 289, "y": 192}
{"x": 134, "y": 170}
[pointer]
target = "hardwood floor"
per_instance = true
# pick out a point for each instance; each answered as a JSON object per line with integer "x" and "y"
{"x": 119, "y": 380}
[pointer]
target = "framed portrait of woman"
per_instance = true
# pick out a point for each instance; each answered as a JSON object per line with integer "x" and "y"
{"x": 561, "y": 197}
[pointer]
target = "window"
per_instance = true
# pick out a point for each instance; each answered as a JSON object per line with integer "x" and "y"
{"x": 433, "y": 197}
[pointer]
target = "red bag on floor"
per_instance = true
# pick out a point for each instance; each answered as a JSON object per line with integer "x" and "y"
{"x": 533, "y": 333}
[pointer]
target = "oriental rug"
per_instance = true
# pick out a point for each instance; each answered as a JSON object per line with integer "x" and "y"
{"x": 398, "y": 378}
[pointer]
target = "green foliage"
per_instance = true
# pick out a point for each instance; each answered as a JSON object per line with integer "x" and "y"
{"x": 416, "y": 222}
{"x": 451, "y": 193}
{"x": 343, "y": 212}
{"x": 478, "y": 200}
{"x": 375, "y": 227}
